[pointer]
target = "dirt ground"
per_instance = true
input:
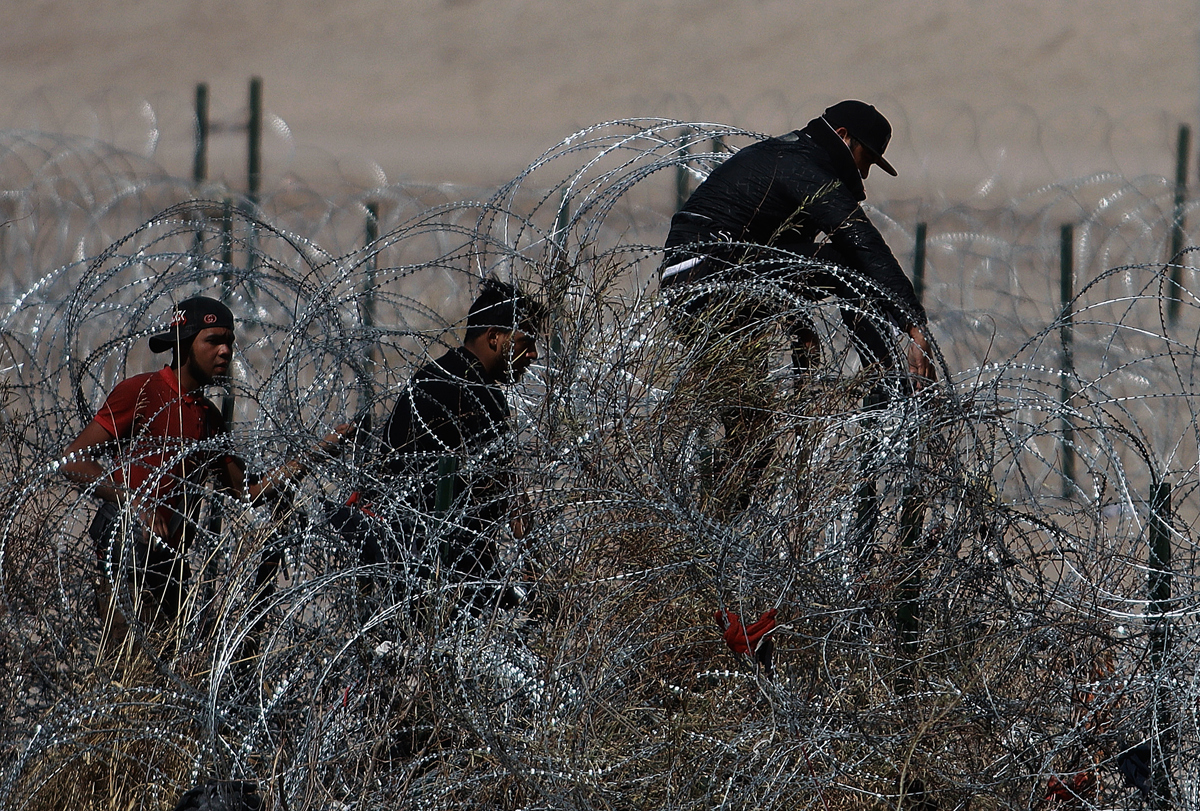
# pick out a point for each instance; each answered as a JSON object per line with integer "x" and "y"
{"x": 987, "y": 98}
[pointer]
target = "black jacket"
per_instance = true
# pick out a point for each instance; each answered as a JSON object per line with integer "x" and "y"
{"x": 784, "y": 192}
{"x": 450, "y": 409}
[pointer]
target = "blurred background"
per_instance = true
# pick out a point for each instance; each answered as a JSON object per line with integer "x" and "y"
{"x": 986, "y": 98}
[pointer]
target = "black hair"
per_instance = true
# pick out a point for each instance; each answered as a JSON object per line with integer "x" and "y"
{"x": 503, "y": 305}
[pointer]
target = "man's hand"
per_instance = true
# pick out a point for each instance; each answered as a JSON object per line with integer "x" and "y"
{"x": 293, "y": 470}
{"x": 331, "y": 444}
{"x": 153, "y": 519}
{"x": 920, "y": 359}
{"x": 520, "y": 521}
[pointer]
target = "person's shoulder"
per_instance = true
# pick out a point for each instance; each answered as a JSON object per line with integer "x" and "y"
{"x": 806, "y": 160}
{"x": 798, "y": 143}
{"x": 445, "y": 368}
{"x": 441, "y": 380}
{"x": 788, "y": 141}
{"x": 132, "y": 387}
{"x": 457, "y": 367}
{"x": 752, "y": 160}
{"x": 791, "y": 147}
{"x": 760, "y": 147}
{"x": 454, "y": 361}
{"x": 140, "y": 380}
{"x": 792, "y": 137}
{"x": 130, "y": 397}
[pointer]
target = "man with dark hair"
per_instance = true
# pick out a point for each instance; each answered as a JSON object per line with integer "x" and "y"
{"x": 155, "y": 430}
{"x": 450, "y": 432}
{"x": 802, "y": 193}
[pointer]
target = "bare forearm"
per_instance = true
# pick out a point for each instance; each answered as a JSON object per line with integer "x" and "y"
{"x": 290, "y": 472}
{"x": 920, "y": 357}
{"x": 79, "y": 464}
{"x": 91, "y": 475}
{"x": 294, "y": 470}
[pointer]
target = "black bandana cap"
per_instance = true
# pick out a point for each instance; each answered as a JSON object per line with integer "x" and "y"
{"x": 189, "y": 317}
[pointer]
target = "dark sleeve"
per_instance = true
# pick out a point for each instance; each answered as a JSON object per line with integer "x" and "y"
{"x": 397, "y": 432}
{"x": 857, "y": 238}
{"x": 434, "y": 418}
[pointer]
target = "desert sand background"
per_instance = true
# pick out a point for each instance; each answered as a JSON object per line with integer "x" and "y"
{"x": 986, "y": 97}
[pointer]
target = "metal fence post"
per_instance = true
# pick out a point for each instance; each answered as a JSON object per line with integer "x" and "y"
{"x": 1159, "y": 607}
{"x": 227, "y": 286}
{"x": 254, "y": 146}
{"x": 366, "y": 394}
{"x": 908, "y": 608}
{"x": 254, "y": 128}
{"x": 227, "y": 244}
{"x": 200, "y": 157}
{"x": 562, "y": 227}
{"x": 443, "y": 499}
{"x": 1066, "y": 331}
{"x": 1181, "y": 162}
{"x": 371, "y": 232}
{"x": 919, "y": 261}
{"x": 227, "y": 400}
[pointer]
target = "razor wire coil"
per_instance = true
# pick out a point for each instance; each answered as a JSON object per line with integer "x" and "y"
{"x": 976, "y": 624}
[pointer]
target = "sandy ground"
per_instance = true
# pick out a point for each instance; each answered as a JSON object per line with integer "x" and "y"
{"x": 473, "y": 90}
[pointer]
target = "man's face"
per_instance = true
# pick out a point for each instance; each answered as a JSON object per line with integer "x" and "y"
{"x": 212, "y": 349}
{"x": 518, "y": 351}
{"x": 862, "y": 159}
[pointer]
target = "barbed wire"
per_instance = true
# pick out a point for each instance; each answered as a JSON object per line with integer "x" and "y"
{"x": 968, "y": 607}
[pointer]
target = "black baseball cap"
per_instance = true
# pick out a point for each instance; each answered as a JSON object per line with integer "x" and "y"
{"x": 189, "y": 317}
{"x": 867, "y": 126}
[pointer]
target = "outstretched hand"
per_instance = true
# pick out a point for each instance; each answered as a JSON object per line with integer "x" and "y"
{"x": 920, "y": 359}
{"x": 520, "y": 522}
{"x": 332, "y": 442}
{"x": 295, "y": 469}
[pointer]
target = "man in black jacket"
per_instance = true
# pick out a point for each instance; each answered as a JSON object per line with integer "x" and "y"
{"x": 801, "y": 193}
{"x": 451, "y": 433}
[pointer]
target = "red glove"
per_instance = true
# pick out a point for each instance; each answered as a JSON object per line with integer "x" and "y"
{"x": 745, "y": 639}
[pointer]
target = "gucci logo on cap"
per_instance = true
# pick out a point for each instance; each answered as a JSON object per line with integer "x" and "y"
{"x": 210, "y": 318}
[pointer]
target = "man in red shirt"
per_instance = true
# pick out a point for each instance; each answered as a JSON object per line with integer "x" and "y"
{"x": 154, "y": 430}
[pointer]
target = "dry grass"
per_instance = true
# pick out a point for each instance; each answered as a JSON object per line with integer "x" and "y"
{"x": 614, "y": 689}
{"x": 938, "y": 634}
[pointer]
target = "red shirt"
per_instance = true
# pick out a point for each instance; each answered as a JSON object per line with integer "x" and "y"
{"x": 157, "y": 429}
